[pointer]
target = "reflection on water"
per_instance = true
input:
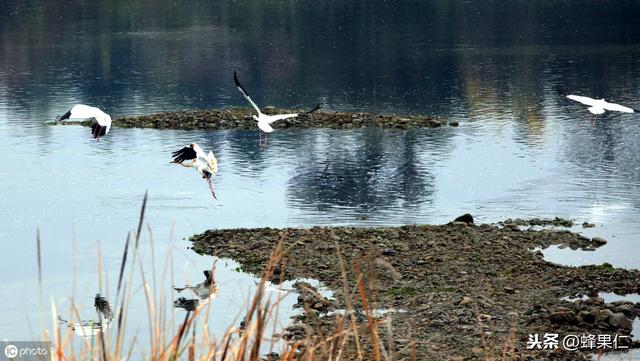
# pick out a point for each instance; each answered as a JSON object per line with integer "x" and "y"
{"x": 90, "y": 328}
{"x": 368, "y": 171}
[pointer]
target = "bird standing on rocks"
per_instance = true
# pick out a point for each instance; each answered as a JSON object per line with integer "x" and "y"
{"x": 265, "y": 120}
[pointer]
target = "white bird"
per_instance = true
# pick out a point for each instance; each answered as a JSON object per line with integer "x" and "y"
{"x": 599, "y": 106}
{"x": 192, "y": 156}
{"x": 80, "y": 111}
{"x": 265, "y": 120}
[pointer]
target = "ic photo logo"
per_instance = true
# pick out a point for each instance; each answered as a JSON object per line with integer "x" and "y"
{"x": 26, "y": 351}
{"x": 11, "y": 351}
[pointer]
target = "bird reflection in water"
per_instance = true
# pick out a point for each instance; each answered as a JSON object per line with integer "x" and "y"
{"x": 89, "y": 328}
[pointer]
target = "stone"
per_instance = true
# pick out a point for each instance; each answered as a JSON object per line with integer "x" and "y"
{"x": 628, "y": 309}
{"x": 563, "y": 315}
{"x": 618, "y": 321}
{"x": 597, "y": 300}
{"x": 465, "y": 218}
{"x": 586, "y": 316}
{"x": 389, "y": 252}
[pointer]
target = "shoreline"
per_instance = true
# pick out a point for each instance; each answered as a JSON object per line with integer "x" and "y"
{"x": 236, "y": 118}
{"x": 466, "y": 288}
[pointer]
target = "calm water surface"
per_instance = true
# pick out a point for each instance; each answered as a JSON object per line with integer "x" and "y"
{"x": 520, "y": 151}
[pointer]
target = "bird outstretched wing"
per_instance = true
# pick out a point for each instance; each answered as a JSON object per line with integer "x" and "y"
{"x": 186, "y": 153}
{"x": 274, "y": 118}
{"x": 617, "y": 108}
{"x": 244, "y": 93}
{"x": 584, "y": 100}
{"x": 79, "y": 111}
{"x": 213, "y": 161}
{"x": 313, "y": 110}
{"x": 64, "y": 116}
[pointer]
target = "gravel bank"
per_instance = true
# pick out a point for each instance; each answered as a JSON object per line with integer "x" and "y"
{"x": 466, "y": 288}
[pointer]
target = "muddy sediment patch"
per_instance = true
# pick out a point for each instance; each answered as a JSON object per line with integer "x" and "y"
{"x": 216, "y": 119}
{"x": 467, "y": 291}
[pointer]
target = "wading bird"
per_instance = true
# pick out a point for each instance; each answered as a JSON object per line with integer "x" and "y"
{"x": 192, "y": 156}
{"x": 203, "y": 289}
{"x": 598, "y": 106}
{"x": 265, "y": 120}
{"x": 80, "y": 111}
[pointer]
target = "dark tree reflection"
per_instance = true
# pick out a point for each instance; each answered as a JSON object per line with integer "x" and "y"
{"x": 384, "y": 171}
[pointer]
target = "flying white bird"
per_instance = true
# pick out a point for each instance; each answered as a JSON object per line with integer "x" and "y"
{"x": 265, "y": 120}
{"x": 599, "y": 106}
{"x": 192, "y": 156}
{"x": 80, "y": 111}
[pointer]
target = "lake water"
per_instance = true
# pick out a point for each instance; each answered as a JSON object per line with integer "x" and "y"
{"x": 520, "y": 151}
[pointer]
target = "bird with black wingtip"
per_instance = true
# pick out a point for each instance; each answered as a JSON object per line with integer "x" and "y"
{"x": 265, "y": 120}
{"x": 102, "y": 123}
{"x": 192, "y": 156}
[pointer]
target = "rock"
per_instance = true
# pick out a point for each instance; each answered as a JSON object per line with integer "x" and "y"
{"x": 586, "y": 316}
{"x": 465, "y": 300}
{"x": 588, "y": 225}
{"x": 628, "y": 309}
{"x": 598, "y": 241}
{"x": 297, "y": 329}
{"x": 389, "y": 252}
{"x": 509, "y": 289}
{"x": 596, "y": 300}
{"x": 453, "y": 123}
{"x": 465, "y": 218}
{"x": 618, "y": 321}
{"x": 273, "y": 356}
{"x": 563, "y": 315}
{"x": 512, "y": 227}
